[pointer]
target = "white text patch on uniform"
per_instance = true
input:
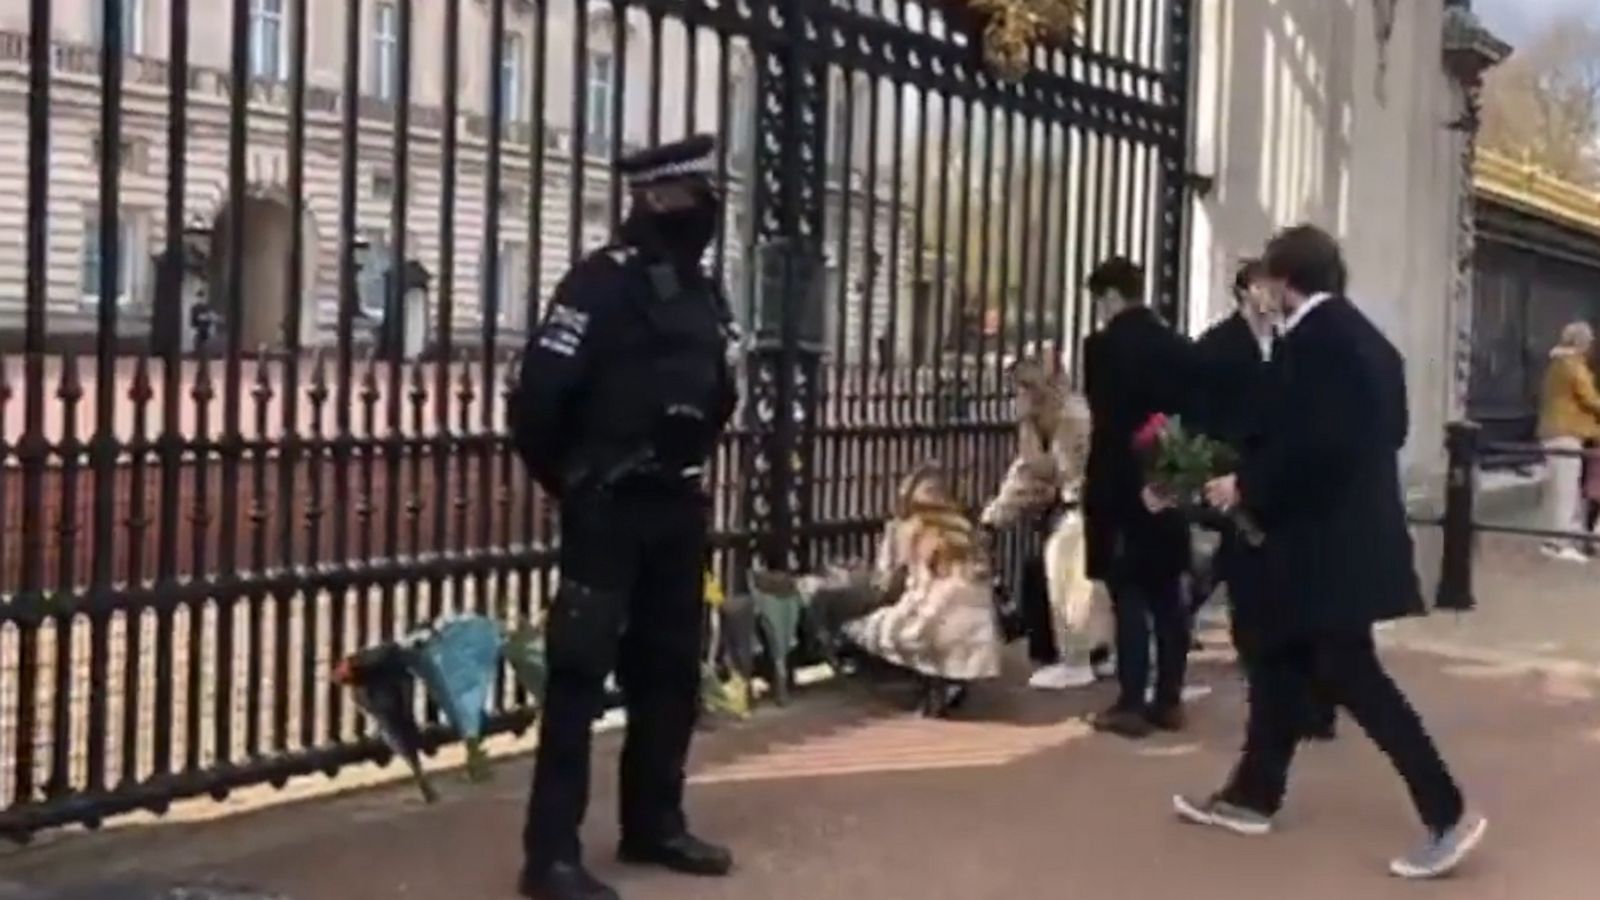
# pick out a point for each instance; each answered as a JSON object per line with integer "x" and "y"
{"x": 563, "y": 330}
{"x": 566, "y": 318}
{"x": 561, "y": 342}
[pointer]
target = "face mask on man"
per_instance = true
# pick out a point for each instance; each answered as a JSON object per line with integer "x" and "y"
{"x": 687, "y": 232}
{"x": 682, "y": 230}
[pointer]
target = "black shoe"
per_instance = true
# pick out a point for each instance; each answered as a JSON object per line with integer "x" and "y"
{"x": 941, "y": 698}
{"x": 1123, "y": 722}
{"x": 564, "y": 881}
{"x": 684, "y": 854}
{"x": 1168, "y": 718}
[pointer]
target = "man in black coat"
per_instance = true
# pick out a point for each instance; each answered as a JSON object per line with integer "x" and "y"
{"x": 1324, "y": 486}
{"x": 1234, "y": 376}
{"x": 1134, "y": 367}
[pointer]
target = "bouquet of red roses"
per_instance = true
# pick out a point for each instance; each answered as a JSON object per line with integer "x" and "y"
{"x": 1178, "y": 463}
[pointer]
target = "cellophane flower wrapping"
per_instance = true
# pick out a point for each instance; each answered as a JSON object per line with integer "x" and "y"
{"x": 458, "y": 661}
{"x": 524, "y": 649}
{"x": 381, "y": 682}
{"x": 728, "y": 696}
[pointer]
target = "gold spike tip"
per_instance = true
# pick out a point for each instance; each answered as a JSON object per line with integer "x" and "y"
{"x": 1012, "y": 28}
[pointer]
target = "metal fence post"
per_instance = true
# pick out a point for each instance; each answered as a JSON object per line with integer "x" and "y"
{"x": 792, "y": 92}
{"x": 1461, "y": 487}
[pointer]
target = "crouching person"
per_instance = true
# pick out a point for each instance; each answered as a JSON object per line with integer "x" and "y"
{"x": 932, "y": 611}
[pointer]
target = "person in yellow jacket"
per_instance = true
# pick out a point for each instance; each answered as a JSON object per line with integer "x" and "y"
{"x": 1569, "y": 415}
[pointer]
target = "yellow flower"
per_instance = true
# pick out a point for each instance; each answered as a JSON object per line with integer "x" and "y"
{"x": 713, "y": 590}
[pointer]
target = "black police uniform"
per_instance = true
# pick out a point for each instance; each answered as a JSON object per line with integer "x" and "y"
{"x": 624, "y": 390}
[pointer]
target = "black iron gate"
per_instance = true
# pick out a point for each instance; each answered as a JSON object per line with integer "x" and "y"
{"x": 280, "y": 255}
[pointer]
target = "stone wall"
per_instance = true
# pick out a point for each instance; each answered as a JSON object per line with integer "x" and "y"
{"x": 1300, "y": 116}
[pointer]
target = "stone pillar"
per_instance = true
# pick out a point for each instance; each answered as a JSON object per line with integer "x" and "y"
{"x": 1470, "y": 50}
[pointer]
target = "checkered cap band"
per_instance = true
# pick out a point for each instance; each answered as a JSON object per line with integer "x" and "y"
{"x": 683, "y": 168}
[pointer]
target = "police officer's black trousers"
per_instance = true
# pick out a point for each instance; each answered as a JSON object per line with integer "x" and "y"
{"x": 644, "y": 552}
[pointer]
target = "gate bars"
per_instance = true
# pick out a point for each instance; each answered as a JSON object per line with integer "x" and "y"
{"x": 280, "y": 256}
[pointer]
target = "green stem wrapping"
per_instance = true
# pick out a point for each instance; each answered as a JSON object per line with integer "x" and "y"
{"x": 478, "y": 769}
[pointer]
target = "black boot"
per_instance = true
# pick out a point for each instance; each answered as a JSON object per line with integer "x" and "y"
{"x": 564, "y": 881}
{"x": 1100, "y": 660}
{"x": 684, "y": 854}
{"x": 941, "y": 697}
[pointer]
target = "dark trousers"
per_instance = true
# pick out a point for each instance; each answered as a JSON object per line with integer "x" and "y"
{"x": 1037, "y": 617}
{"x": 1347, "y": 671}
{"x": 1140, "y": 609}
{"x": 648, "y": 551}
{"x": 1317, "y": 713}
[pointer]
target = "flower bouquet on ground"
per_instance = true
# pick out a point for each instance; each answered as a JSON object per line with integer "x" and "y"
{"x": 718, "y": 696}
{"x": 458, "y": 660}
{"x": 382, "y": 683}
{"x": 524, "y": 650}
{"x": 1178, "y": 464}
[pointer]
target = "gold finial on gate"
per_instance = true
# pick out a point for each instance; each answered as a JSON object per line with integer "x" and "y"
{"x": 1012, "y": 28}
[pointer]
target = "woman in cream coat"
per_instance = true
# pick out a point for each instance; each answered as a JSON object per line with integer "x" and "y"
{"x": 928, "y": 606}
{"x": 1053, "y": 446}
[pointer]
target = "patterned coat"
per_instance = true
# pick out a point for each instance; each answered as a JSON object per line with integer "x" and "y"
{"x": 1048, "y": 471}
{"x": 943, "y": 625}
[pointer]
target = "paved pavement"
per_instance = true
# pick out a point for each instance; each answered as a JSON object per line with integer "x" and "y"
{"x": 844, "y": 796}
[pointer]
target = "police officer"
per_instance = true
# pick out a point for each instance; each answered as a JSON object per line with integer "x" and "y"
{"x": 625, "y": 388}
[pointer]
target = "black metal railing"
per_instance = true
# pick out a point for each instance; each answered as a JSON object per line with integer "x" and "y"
{"x": 254, "y": 378}
{"x": 1562, "y": 530}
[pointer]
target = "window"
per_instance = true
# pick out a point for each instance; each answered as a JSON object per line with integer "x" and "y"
{"x": 511, "y": 296}
{"x": 372, "y": 269}
{"x": 127, "y": 262}
{"x": 267, "y": 60}
{"x": 382, "y": 185}
{"x": 385, "y": 51}
{"x": 511, "y": 79}
{"x": 600, "y": 89}
{"x": 839, "y": 126}
{"x": 132, "y": 24}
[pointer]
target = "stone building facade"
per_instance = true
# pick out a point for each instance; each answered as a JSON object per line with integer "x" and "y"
{"x": 666, "y": 83}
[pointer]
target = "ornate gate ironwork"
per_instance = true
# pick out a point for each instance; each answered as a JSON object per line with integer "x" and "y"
{"x": 254, "y": 377}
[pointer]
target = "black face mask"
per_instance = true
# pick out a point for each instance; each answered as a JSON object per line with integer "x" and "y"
{"x": 686, "y": 233}
{"x": 681, "y": 234}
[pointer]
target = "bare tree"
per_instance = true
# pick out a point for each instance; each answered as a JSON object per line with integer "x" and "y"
{"x": 1543, "y": 104}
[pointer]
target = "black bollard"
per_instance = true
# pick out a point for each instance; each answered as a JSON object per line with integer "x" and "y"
{"x": 1460, "y": 494}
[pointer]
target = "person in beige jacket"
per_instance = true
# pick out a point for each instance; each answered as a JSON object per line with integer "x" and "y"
{"x": 938, "y": 620}
{"x": 1569, "y": 415}
{"x": 1068, "y": 624}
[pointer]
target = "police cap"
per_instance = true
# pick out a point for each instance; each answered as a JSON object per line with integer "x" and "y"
{"x": 691, "y": 157}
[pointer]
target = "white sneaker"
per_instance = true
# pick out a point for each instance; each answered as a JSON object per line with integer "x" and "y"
{"x": 1443, "y": 853}
{"x": 1565, "y": 554}
{"x": 1061, "y": 677}
{"x": 1191, "y": 693}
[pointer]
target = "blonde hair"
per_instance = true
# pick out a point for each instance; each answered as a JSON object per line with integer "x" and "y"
{"x": 923, "y": 485}
{"x": 938, "y": 532}
{"x": 1041, "y": 403}
{"x": 944, "y": 539}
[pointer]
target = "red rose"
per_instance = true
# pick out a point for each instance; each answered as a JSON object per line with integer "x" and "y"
{"x": 1149, "y": 434}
